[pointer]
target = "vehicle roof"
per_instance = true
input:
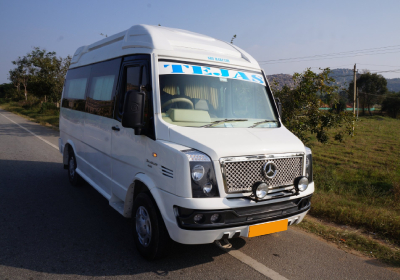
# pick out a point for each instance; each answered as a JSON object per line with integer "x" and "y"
{"x": 168, "y": 43}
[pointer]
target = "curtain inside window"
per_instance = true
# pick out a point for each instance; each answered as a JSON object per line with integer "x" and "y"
{"x": 76, "y": 88}
{"x": 102, "y": 88}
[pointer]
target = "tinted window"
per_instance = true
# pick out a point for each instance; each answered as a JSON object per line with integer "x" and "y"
{"x": 102, "y": 87}
{"x": 75, "y": 88}
{"x": 131, "y": 82}
{"x": 132, "y": 78}
{"x": 136, "y": 77}
{"x": 103, "y": 82}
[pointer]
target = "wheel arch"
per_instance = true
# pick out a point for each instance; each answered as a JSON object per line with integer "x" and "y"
{"x": 67, "y": 148}
{"x": 141, "y": 183}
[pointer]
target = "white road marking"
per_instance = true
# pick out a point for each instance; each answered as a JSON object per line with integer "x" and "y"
{"x": 256, "y": 265}
{"x": 47, "y": 142}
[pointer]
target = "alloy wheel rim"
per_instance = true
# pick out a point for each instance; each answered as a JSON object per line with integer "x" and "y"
{"x": 143, "y": 226}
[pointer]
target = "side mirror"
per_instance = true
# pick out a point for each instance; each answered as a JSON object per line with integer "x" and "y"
{"x": 279, "y": 104}
{"x": 133, "y": 115}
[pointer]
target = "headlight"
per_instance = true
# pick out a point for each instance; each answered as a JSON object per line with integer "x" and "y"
{"x": 204, "y": 183}
{"x": 309, "y": 167}
{"x": 197, "y": 172}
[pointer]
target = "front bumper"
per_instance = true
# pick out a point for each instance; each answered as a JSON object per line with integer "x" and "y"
{"x": 242, "y": 216}
{"x": 186, "y": 235}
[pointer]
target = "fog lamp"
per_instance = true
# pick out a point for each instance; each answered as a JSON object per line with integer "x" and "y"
{"x": 260, "y": 190}
{"x": 207, "y": 188}
{"x": 198, "y": 218}
{"x": 301, "y": 183}
{"x": 214, "y": 218}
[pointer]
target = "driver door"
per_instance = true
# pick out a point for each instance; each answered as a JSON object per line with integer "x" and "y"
{"x": 128, "y": 150}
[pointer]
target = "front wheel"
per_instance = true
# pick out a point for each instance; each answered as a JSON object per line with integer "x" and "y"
{"x": 74, "y": 178}
{"x": 151, "y": 236}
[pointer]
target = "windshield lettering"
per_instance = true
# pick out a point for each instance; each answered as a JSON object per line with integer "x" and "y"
{"x": 177, "y": 68}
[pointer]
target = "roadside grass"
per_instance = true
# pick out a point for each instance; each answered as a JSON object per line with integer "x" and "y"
{"x": 43, "y": 114}
{"x": 350, "y": 239}
{"x": 358, "y": 181}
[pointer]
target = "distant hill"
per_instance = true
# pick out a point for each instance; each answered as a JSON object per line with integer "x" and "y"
{"x": 393, "y": 84}
{"x": 281, "y": 79}
{"x": 343, "y": 78}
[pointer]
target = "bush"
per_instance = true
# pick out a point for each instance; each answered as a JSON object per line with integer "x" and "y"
{"x": 30, "y": 103}
{"x": 301, "y": 103}
{"x": 46, "y": 106}
{"x": 391, "y": 105}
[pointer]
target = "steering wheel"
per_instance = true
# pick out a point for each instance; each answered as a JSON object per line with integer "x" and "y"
{"x": 176, "y": 100}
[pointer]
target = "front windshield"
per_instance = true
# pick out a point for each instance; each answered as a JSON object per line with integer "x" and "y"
{"x": 198, "y": 96}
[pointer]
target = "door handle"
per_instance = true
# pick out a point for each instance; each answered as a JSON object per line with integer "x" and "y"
{"x": 116, "y": 128}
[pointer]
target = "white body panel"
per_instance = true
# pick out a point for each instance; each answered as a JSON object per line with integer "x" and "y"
{"x": 111, "y": 161}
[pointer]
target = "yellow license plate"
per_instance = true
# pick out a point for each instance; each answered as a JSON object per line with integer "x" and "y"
{"x": 268, "y": 228}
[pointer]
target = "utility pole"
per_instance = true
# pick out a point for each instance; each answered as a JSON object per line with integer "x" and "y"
{"x": 358, "y": 106}
{"x": 354, "y": 101}
{"x": 355, "y": 92}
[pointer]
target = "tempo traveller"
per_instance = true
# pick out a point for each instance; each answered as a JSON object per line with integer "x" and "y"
{"x": 182, "y": 134}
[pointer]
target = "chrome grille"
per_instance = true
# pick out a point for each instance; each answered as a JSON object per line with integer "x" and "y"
{"x": 241, "y": 174}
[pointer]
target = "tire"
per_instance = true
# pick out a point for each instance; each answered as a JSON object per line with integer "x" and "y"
{"x": 73, "y": 176}
{"x": 150, "y": 234}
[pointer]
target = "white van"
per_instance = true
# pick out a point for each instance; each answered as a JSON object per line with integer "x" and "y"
{"x": 181, "y": 133}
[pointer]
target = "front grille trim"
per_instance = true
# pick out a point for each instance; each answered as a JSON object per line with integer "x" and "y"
{"x": 224, "y": 162}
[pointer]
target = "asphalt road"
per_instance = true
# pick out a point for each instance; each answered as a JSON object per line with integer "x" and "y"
{"x": 49, "y": 229}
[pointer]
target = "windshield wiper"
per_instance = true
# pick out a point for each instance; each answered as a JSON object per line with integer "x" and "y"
{"x": 224, "y": 121}
{"x": 265, "y": 121}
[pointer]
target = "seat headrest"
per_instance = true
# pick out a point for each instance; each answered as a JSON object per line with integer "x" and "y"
{"x": 201, "y": 104}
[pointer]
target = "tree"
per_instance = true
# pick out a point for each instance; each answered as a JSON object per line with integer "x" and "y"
{"x": 7, "y": 90}
{"x": 22, "y": 74}
{"x": 391, "y": 104}
{"x": 49, "y": 73}
{"x": 42, "y": 71}
{"x": 300, "y": 104}
{"x": 14, "y": 77}
{"x": 371, "y": 88}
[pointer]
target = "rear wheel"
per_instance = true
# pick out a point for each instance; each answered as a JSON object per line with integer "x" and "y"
{"x": 151, "y": 236}
{"x": 73, "y": 176}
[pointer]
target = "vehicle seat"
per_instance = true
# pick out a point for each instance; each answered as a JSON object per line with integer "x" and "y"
{"x": 201, "y": 104}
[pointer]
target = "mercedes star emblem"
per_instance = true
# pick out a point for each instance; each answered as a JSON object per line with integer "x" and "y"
{"x": 270, "y": 169}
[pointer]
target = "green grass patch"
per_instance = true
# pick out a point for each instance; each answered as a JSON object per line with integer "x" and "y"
{"x": 358, "y": 181}
{"x": 42, "y": 113}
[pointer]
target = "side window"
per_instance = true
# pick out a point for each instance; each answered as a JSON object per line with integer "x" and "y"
{"x": 132, "y": 78}
{"x": 135, "y": 77}
{"x": 75, "y": 87}
{"x": 102, "y": 85}
{"x": 131, "y": 81}
{"x": 144, "y": 77}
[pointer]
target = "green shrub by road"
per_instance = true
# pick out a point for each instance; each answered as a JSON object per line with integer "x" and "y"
{"x": 43, "y": 113}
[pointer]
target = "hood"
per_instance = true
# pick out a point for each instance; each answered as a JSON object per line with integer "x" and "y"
{"x": 226, "y": 142}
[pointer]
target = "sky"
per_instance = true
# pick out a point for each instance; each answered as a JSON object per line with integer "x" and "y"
{"x": 363, "y": 32}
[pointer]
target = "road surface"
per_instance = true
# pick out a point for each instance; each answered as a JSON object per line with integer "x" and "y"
{"x": 51, "y": 230}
